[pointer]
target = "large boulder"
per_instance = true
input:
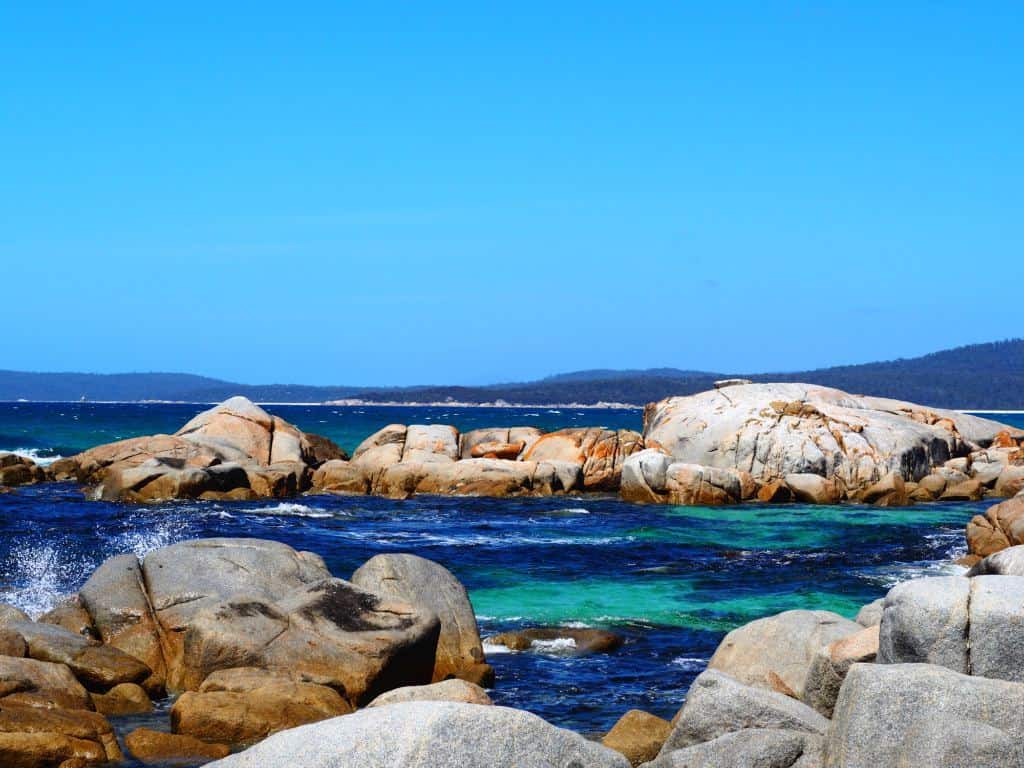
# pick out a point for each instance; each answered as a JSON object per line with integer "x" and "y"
{"x": 777, "y": 652}
{"x": 159, "y": 748}
{"x": 775, "y": 430}
{"x": 749, "y": 748}
{"x": 431, "y": 442}
{"x": 926, "y": 621}
{"x": 428, "y": 735}
{"x": 651, "y": 476}
{"x": 925, "y": 715}
{"x": 340, "y": 476}
{"x": 427, "y": 584}
{"x": 832, "y": 662}
{"x": 717, "y": 704}
{"x": 472, "y": 477}
{"x": 484, "y": 443}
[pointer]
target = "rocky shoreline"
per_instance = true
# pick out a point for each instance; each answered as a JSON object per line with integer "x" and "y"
{"x": 268, "y": 655}
{"x": 769, "y": 443}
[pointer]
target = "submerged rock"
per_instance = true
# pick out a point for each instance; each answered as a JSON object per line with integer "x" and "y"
{"x": 429, "y": 735}
{"x": 579, "y": 641}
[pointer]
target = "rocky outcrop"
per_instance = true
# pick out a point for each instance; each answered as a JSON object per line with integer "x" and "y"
{"x": 1006, "y": 562}
{"x": 233, "y": 450}
{"x": 429, "y": 735}
{"x": 777, "y": 652}
{"x": 599, "y": 453}
{"x": 823, "y": 444}
{"x": 925, "y": 715}
{"x": 418, "y": 581}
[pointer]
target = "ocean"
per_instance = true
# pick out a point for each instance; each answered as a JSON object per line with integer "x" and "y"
{"x": 671, "y": 580}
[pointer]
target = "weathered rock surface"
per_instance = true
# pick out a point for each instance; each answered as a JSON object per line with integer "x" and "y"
{"x": 638, "y": 736}
{"x": 339, "y": 476}
{"x": 926, "y": 621}
{"x": 779, "y": 430}
{"x": 599, "y": 452}
{"x": 421, "y": 582}
{"x": 717, "y": 704}
{"x": 428, "y": 735}
{"x": 650, "y": 476}
{"x": 446, "y": 690}
{"x": 156, "y": 747}
{"x": 480, "y": 443}
{"x": 749, "y": 748}
{"x": 924, "y": 715}
{"x": 777, "y": 652}
{"x": 19, "y": 470}
{"x": 241, "y": 706}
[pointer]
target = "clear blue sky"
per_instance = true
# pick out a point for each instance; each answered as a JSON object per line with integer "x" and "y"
{"x": 451, "y": 193}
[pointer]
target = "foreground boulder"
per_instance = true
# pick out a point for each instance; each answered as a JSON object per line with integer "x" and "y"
{"x": 968, "y": 625}
{"x": 35, "y": 683}
{"x": 832, "y": 662}
{"x": 924, "y": 715}
{"x": 777, "y": 430}
{"x": 156, "y": 747}
{"x": 428, "y": 735}
{"x": 717, "y": 704}
{"x": 40, "y": 736}
{"x": 749, "y": 748}
{"x": 199, "y": 606}
{"x": 777, "y": 652}
{"x": 422, "y": 582}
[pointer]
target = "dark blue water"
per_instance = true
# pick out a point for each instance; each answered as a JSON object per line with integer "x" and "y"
{"x": 673, "y": 580}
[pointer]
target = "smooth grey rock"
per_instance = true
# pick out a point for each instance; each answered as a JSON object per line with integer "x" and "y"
{"x": 717, "y": 704}
{"x": 997, "y": 627}
{"x": 871, "y": 614}
{"x": 925, "y": 715}
{"x": 428, "y": 735}
{"x": 1007, "y": 562}
{"x": 832, "y": 662}
{"x": 925, "y": 621}
{"x": 423, "y": 582}
{"x": 776, "y": 429}
{"x": 779, "y": 649}
{"x": 750, "y": 748}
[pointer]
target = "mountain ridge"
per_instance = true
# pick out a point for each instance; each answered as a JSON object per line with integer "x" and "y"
{"x": 987, "y": 375}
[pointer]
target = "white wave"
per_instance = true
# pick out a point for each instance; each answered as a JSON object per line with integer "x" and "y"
{"x": 288, "y": 509}
{"x": 40, "y": 575}
{"x": 491, "y": 649}
{"x": 142, "y": 539}
{"x": 689, "y": 663}
{"x": 559, "y": 646}
{"x": 33, "y": 453}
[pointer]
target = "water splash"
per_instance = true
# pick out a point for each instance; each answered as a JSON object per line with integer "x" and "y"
{"x": 40, "y": 575}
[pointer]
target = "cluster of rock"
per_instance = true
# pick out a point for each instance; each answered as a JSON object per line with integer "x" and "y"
{"x": 252, "y": 636}
{"x": 1000, "y": 528}
{"x": 743, "y": 442}
{"x": 931, "y": 675}
{"x": 399, "y": 461}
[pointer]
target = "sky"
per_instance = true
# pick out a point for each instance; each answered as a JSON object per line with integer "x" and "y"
{"x": 449, "y": 192}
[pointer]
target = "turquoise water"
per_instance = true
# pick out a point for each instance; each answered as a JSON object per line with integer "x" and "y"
{"x": 672, "y": 580}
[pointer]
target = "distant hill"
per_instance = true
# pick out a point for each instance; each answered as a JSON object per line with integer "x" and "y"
{"x": 976, "y": 376}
